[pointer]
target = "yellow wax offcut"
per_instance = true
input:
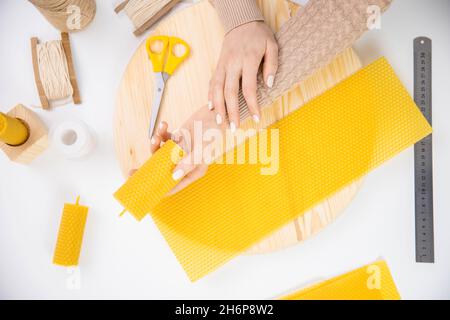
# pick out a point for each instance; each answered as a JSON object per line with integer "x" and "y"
{"x": 372, "y": 282}
{"x": 12, "y": 130}
{"x": 160, "y": 164}
{"x": 70, "y": 235}
{"x": 324, "y": 146}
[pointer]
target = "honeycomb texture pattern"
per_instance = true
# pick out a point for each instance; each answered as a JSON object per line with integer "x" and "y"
{"x": 145, "y": 188}
{"x": 70, "y": 235}
{"x": 372, "y": 282}
{"x": 323, "y": 146}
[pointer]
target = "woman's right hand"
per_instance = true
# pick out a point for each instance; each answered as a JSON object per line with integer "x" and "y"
{"x": 185, "y": 171}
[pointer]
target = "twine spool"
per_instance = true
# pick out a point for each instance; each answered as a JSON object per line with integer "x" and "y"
{"x": 53, "y": 70}
{"x": 67, "y": 15}
{"x": 145, "y": 13}
{"x": 140, "y": 11}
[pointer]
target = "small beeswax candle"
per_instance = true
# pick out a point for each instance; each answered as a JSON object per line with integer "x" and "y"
{"x": 70, "y": 236}
{"x": 12, "y": 130}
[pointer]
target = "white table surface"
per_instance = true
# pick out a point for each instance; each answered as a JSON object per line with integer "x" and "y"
{"x": 125, "y": 259}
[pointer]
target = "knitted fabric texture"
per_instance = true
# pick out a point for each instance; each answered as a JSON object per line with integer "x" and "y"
{"x": 234, "y": 13}
{"x": 311, "y": 40}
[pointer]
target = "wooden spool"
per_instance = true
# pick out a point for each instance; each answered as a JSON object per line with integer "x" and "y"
{"x": 37, "y": 141}
{"x": 73, "y": 80}
{"x": 152, "y": 20}
{"x": 187, "y": 90}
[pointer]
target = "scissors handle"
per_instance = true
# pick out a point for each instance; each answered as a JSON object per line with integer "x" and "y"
{"x": 173, "y": 61}
{"x": 157, "y": 57}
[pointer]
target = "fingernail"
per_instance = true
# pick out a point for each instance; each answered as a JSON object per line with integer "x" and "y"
{"x": 256, "y": 118}
{"x": 270, "y": 80}
{"x": 177, "y": 175}
{"x": 233, "y": 127}
{"x": 162, "y": 143}
{"x": 219, "y": 118}
{"x": 161, "y": 125}
{"x": 153, "y": 141}
{"x": 210, "y": 105}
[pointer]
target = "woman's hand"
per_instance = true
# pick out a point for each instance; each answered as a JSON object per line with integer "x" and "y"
{"x": 243, "y": 50}
{"x": 184, "y": 171}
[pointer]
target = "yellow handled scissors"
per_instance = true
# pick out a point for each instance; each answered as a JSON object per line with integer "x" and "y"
{"x": 165, "y": 62}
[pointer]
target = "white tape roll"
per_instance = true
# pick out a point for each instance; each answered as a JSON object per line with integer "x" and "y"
{"x": 72, "y": 139}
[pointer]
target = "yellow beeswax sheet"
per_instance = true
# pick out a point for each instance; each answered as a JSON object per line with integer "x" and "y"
{"x": 372, "y": 282}
{"x": 70, "y": 235}
{"x": 324, "y": 146}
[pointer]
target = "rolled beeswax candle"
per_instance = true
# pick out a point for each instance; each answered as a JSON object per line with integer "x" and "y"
{"x": 70, "y": 236}
{"x": 12, "y": 130}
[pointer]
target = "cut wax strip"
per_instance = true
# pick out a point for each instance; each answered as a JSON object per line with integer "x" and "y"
{"x": 372, "y": 282}
{"x": 70, "y": 236}
{"x": 161, "y": 164}
{"x": 324, "y": 146}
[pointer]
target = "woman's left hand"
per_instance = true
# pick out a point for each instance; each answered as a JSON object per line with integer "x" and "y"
{"x": 243, "y": 51}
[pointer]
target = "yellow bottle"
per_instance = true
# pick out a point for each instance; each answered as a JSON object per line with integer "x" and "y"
{"x": 12, "y": 130}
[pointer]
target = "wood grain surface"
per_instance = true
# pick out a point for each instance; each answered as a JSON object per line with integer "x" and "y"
{"x": 187, "y": 90}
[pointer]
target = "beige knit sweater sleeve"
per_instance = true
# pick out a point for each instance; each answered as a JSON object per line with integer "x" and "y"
{"x": 233, "y": 13}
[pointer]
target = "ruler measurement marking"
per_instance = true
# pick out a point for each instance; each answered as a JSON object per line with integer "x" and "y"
{"x": 423, "y": 157}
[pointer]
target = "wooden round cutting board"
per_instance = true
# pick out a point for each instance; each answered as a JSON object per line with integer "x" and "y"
{"x": 187, "y": 90}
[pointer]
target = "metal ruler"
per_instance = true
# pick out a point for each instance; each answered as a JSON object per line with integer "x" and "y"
{"x": 423, "y": 154}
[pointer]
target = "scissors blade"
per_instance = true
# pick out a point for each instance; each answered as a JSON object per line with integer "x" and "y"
{"x": 157, "y": 98}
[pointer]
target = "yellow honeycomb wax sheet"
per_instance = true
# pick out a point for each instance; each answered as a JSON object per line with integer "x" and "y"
{"x": 70, "y": 235}
{"x": 147, "y": 186}
{"x": 324, "y": 146}
{"x": 371, "y": 282}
